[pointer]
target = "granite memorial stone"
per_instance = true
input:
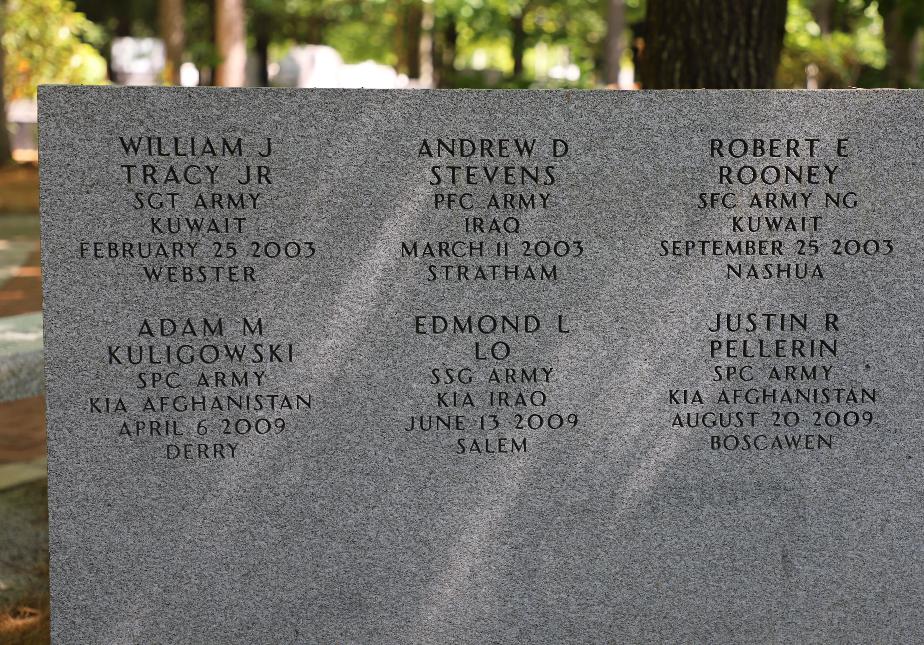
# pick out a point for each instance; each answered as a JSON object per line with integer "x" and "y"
{"x": 470, "y": 367}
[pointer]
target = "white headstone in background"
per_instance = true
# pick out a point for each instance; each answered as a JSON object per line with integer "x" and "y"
{"x": 138, "y": 61}
{"x": 319, "y": 66}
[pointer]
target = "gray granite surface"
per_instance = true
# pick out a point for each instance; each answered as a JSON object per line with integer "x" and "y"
{"x": 614, "y": 515}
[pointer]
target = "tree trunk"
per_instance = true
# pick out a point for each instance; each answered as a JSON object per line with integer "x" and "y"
{"x": 615, "y": 27}
{"x": 231, "y": 43}
{"x": 412, "y": 19}
{"x": 173, "y": 32}
{"x": 426, "y": 53}
{"x": 823, "y": 12}
{"x": 917, "y": 49}
{"x": 407, "y": 37}
{"x": 446, "y": 53}
{"x": 6, "y": 153}
{"x": 261, "y": 46}
{"x": 899, "y": 42}
{"x": 712, "y": 43}
{"x": 518, "y": 42}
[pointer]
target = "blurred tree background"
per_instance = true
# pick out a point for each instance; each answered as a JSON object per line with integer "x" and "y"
{"x": 484, "y": 43}
{"x": 473, "y": 43}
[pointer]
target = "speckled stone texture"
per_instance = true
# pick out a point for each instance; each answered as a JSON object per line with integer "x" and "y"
{"x": 347, "y": 528}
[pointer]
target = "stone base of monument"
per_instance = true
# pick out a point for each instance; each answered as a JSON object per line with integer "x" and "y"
{"x": 22, "y": 418}
{"x": 16, "y": 474}
{"x": 21, "y": 357}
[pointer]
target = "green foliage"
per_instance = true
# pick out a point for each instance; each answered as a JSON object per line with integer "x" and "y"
{"x": 577, "y": 28}
{"x": 363, "y": 31}
{"x": 47, "y": 41}
{"x": 835, "y": 59}
{"x": 565, "y": 31}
